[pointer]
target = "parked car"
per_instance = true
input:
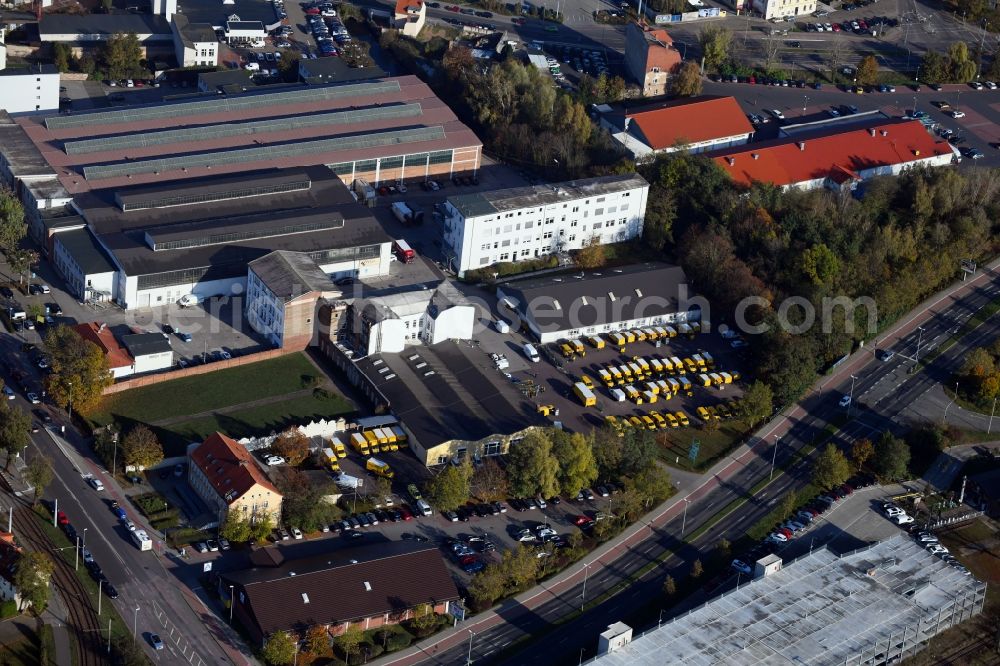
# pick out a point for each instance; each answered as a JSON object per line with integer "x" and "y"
{"x": 741, "y": 566}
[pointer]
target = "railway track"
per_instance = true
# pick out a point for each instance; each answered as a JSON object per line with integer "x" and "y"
{"x": 82, "y": 617}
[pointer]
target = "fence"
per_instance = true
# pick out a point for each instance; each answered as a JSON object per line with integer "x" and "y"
{"x": 954, "y": 519}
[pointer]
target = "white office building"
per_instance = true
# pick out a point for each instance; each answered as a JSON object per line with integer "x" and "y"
{"x": 390, "y": 323}
{"x": 195, "y": 44}
{"x": 770, "y": 9}
{"x": 528, "y": 222}
{"x": 29, "y": 89}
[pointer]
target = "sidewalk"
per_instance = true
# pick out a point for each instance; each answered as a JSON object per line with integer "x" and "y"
{"x": 55, "y": 615}
{"x": 607, "y": 553}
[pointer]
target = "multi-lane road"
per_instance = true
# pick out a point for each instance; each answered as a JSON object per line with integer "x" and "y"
{"x": 537, "y": 626}
{"x": 163, "y": 588}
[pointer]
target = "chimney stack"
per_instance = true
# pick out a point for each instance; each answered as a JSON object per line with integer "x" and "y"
{"x": 802, "y": 145}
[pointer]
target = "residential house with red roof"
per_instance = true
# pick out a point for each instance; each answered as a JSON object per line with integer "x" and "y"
{"x": 696, "y": 124}
{"x": 367, "y": 586}
{"x": 650, "y": 58}
{"x": 410, "y": 16}
{"x": 129, "y": 352}
{"x": 10, "y": 555}
{"x": 837, "y": 158}
{"x": 227, "y": 478}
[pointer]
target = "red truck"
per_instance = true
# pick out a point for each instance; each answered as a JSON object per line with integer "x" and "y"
{"x": 403, "y": 251}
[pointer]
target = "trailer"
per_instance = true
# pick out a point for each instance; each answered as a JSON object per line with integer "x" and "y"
{"x": 330, "y": 459}
{"x": 379, "y": 468}
{"x": 585, "y": 395}
{"x": 617, "y": 339}
{"x": 704, "y": 380}
{"x": 402, "y": 212}
{"x": 596, "y": 341}
{"x": 678, "y": 365}
{"x": 708, "y": 359}
{"x": 360, "y": 443}
{"x": 348, "y": 481}
{"x": 606, "y": 377}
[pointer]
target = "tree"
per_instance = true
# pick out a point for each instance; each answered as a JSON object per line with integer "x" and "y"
{"x": 261, "y": 526}
{"x": 669, "y": 586}
{"x": 724, "y": 549}
{"x": 489, "y": 481}
{"x": 80, "y": 370}
{"x": 771, "y": 48}
{"x": 591, "y": 255}
{"x": 128, "y": 653}
{"x": 891, "y": 458}
{"x": 786, "y": 508}
{"x": 279, "y": 649}
{"x": 15, "y": 431}
{"x": 349, "y": 641}
{"x": 867, "y": 74}
{"x": 861, "y": 451}
{"x": 488, "y": 585}
{"x": 651, "y": 484}
{"x": 757, "y": 403}
{"x": 831, "y": 468}
{"x": 715, "y": 42}
{"x": 934, "y": 67}
{"x": 424, "y": 618}
{"x": 577, "y": 467}
{"x": 696, "y": 569}
{"x": 531, "y": 467}
{"x": 39, "y": 474}
{"x": 317, "y": 640}
{"x": 20, "y": 260}
{"x": 961, "y": 67}
{"x": 450, "y": 489}
{"x": 141, "y": 448}
{"x": 305, "y": 504}
{"x": 61, "y": 56}
{"x": 13, "y": 228}
{"x": 122, "y": 56}
{"x": 236, "y": 528}
{"x": 819, "y": 264}
{"x": 638, "y": 451}
{"x": 31, "y": 578}
{"x": 687, "y": 81}
{"x": 291, "y": 445}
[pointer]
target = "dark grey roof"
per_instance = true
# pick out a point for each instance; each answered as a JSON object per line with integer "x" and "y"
{"x": 85, "y": 250}
{"x": 577, "y": 300}
{"x": 290, "y": 274}
{"x": 495, "y": 201}
{"x": 238, "y": 76}
{"x": 463, "y": 399}
{"x": 326, "y": 70}
{"x": 20, "y": 154}
{"x": 103, "y": 24}
{"x": 193, "y": 32}
{"x": 343, "y": 584}
{"x": 988, "y": 482}
{"x": 29, "y": 69}
{"x": 244, "y": 25}
{"x": 145, "y": 344}
{"x": 126, "y": 233}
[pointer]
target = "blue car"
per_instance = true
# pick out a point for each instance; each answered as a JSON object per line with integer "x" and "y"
{"x": 120, "y": 512}
{"x": 474, "y": 567}
{"x": 185, "y": 337}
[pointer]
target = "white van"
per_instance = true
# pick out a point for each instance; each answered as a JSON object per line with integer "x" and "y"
{"x": 531, "y": 352}
{"x": 423, "y": 508}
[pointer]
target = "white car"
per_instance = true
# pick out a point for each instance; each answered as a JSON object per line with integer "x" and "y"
{"x": 956, "y": 113}
{"x": 129, "y": 525}
{"x": 894, "y": 511}
{"x": 926, "y": 537}
{"x": 95, "y": 484}
{"x": 274, "y": 460}
{"x": 936, "y": 549}
{"x": 777, "y": 537}
{"x": 777, "y": 114}
{"x": 9, "y": 392}
{"x": 845, "y": 401}
{"x": 902, "y": 519}
{"x": 33, "y": 398}
{"x": 296, "y": 533}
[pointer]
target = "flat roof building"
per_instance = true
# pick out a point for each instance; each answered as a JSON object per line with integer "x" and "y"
{"x": 570, "y": 305}
{"x": 521, "y": 223}
{"x": 450, "y": 401}
{"x": 696, "y": 125}
{"x": 88, "y": 31}
{"x": 837, "y": 158}
{"x": 876, "y": 605}
{"x": 29, "y": 89}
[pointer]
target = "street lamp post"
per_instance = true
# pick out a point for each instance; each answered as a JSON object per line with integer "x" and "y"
{"x": 472, "y": 635}
{"x": 774, "y": 457}
{"x": 100, "y": 583}
{"x": 992, "y": 411}
{"x": 920, "y": 337}
{"x": 953, "y": 397}
{"x": 685, "y": 518}
{"x": 85, "y": 538}
{"x": 76, "y": 558}
{"x": 660, "y": 621}
{"x": 70, "y": 384}
{"x": 583, "y": 595}
{"x": 135, "y": 623}
{"x": 805, "y": 102}
{"x": 232, "y": 602}
{"x": 850, "y": 401}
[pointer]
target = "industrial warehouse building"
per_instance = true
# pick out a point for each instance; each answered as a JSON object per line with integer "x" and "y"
{"x": 570, "y": 305}
{"x": 176, "y": 198}
{"x": 877, "y": 605}
{"x": 825, "y": 155}
{"x": 523, "y": 223}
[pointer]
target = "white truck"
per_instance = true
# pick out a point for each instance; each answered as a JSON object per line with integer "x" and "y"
{"x": 348, "y": 481}
{"x": 402, "y": 212}
{"x": 141, "y": 539}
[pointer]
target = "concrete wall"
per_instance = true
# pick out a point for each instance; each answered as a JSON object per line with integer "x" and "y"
{"x": 29, "y": 92}
{"x": 148, "y": 380}
{"x": 153, "y": 362}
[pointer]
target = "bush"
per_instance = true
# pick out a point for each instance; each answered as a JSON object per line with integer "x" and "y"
{"x": 151, "y": 504}
{"x": 165, "y": 523}
{"x": 398, "y": 641}
{"x": 507, "y": 268}
{"x": 185, "y": 536}
{"x": 8, "y": 609}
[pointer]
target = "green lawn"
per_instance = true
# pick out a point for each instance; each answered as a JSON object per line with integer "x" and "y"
{"x": 712, "y": 445}
{"x": 260, "y": 420}
{"x": 213, "y": 390}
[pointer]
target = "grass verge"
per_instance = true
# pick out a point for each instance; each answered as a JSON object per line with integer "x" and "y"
{"x": 46, "y": 646}
{"x": 976, "y": 320}
{"x": 713, "y": 445}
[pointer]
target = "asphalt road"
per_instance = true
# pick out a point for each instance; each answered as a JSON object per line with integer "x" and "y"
{"x": 576, "y": 639}
{"x": 142, "y": 580}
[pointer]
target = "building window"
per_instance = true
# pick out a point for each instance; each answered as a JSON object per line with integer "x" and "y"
{"x": 491, "y": 449}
